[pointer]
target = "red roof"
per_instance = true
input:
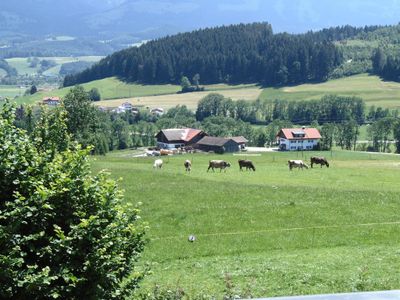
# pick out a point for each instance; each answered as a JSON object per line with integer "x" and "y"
{"x": 310, "y": 133}
{"x": 51, "y": 99}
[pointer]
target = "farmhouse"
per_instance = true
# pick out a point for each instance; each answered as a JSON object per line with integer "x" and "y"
{"x": 292, "y": 139}
{"x": 178, "y": 137}
{"x": 217, "y": 144}
{"x": 51, "y": 101}
{"x": 241, "y": 140}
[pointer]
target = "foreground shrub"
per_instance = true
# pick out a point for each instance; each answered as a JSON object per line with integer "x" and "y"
{"x": 63, "y": 232}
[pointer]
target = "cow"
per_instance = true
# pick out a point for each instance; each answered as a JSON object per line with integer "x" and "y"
{"x": 158, "y": 164}
{"x": 218, "y": 164}
{"x": 164, "y": 152}
{"x": 248, "y": 164}
{"x": 296, "y": 164}
{"x": 188, "y": 165}
{"x": 319, "y": 160}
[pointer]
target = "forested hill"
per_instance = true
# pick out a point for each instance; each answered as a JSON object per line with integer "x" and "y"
{"x": 233, "y": 54}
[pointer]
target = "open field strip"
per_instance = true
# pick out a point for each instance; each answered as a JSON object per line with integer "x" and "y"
{"x": 370, "y": 88}
{"x": 275, "y": 232}
{"x": 21, "y": 64}
{"x": 188, "y": 99}
{"x": 10, "y": 91}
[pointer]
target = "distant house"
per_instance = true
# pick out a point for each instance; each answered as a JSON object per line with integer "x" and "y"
{"x": 292, "y": 139}
{"x": 241, "y": 140}
{"x": 217, "y": 144}
{"x": 178, "y": 137}
{"x": 126, "y": 107}
{"x": 51, "y": 101}
{"x": 157, "y": 111}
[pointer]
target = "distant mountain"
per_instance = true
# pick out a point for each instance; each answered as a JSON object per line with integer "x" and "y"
{"x": 147, "y": 19}
{"x": 103, "y": 26}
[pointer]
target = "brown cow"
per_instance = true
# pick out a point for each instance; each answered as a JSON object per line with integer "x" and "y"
{"x": 218, "y": 164}
{"x": 319, "y": 160}
{"x": 296, "y": 164}
{"x": 248, "y": 164}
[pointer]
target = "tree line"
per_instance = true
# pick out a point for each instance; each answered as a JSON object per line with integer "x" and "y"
{"x": 233, "y": 54}
{"x": 331, "y": 108}
{"x": 339, "y": 119}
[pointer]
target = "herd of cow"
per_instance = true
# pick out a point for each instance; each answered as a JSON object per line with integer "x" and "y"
{"x": 248, "y": 164}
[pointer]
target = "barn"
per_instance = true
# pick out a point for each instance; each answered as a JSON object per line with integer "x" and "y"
{"x": 217, "y": 144}
{"x": 292, "y": 139}
{"x": 241, "y": 140}
{"x": 178, "y": 137}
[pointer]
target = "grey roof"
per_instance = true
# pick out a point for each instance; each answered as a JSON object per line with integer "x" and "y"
{"x": 382, "y": 295}
{"x": 239, "y": 139}
{"x": 213, "y": 141}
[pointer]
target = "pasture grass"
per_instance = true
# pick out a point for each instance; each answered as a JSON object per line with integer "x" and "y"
{"x": 272, "y": 232}
{"x": 370, "y": 88}
{"x": 10, "y": 91}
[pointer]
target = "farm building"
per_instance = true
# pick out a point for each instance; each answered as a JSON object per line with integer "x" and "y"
{"x": 217, "y": 144}
{"x": 178, "y": 137}
{"x": 51, "y": 101}
{"x": 292, "y": 139}
{"x": 241, "y": 140}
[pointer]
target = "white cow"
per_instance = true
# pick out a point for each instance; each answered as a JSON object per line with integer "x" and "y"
{"x": 188, "y": 165}
{"x": 158, "y": 164}
{"x": 296, "y": 164}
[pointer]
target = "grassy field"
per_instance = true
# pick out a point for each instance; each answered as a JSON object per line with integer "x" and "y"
{"x": 21, "y": 64}
{"x": 371, "y": 88}
{"x": 268, "y": 233}
{"x": 10, "y": 91}
{"x": 189, "y": 99}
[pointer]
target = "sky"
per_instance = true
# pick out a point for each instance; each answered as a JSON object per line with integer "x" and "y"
{"x": 171, "y": 16}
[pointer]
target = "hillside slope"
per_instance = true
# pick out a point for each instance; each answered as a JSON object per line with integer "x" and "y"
{"x": 232, "y": 54}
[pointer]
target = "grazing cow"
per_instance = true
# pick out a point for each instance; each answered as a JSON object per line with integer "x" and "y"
{"x": 319, "y": 160}
{"x": 248, "y": 164}
{"x": 296, "y": 164}
{"x": 188, "y": 165}
{"x": 218, "y": 164}
{"x": 166, "y": 152}
{"x": 158, "y": 164}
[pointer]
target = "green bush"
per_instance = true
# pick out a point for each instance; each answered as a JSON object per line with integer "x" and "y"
{"x": 63, "y": 232}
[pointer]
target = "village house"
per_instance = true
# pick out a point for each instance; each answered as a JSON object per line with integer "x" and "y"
{"x": 217, "y": 144}
{"x": 178, "y": 137}
{"x": 126, "y": 107}
{"x": 292, "y": 139}
{"x": 51, "y": 101}
{"x": 157, "y": 111}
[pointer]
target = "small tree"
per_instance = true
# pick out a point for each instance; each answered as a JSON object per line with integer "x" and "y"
{"x": 185, "y": 84}
{"x": 33, "y": 89}
{"x": 94, "y": 94}
{"x": 63, "y": 232}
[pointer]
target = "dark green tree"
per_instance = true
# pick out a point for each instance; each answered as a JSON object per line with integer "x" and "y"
{"x": 94, "y": 94}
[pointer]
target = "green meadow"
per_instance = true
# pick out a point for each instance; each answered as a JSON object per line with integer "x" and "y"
{"x": 370, "y": 88}
{"x": 266, "y": 233}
